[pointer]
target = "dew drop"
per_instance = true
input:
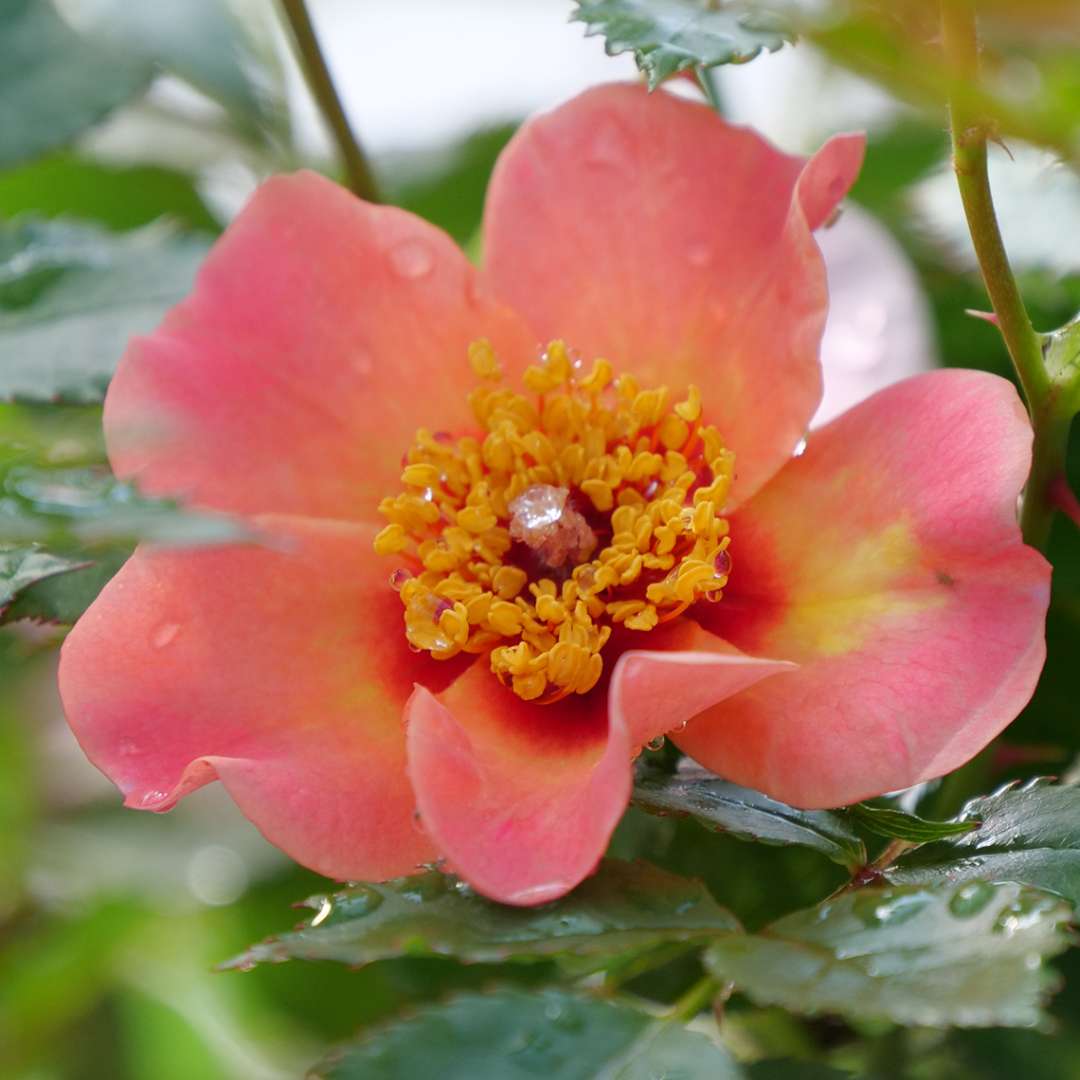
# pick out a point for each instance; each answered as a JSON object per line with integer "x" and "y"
{"x": 609, "y": 148}
{"x": 971, "y": 898}
{"x": 164, "y": 635}
{"x": 153, "y": 798}
{"x": 359, "y": 900}
{"x": 875, "y": 909}
{"x": 722, "y": 563}
{"x": 699, "y": 255}
{"x": 363, "y": 363}
{"x": 423, "y": 888}
{"x": 398, "y": 578}
{"x": 326, "y": 907}
{"x": 656, "y": 744}
{"x": 412, "y": 259}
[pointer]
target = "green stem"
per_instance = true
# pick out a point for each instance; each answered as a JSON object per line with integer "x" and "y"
{"x": 358, "y": 174}
{"x": 699, "y": 996}
{"x": 969, "y": 143}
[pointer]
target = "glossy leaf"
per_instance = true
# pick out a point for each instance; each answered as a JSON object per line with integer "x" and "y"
{"x": 1028, "y": 834}
{"x": 898, "y": 825}
{"x": 748, "y": 814}
{"x": 968, "y": 955}
{"x": 668, "y": 36}
{"x": 623, "y": 907}
{"x": 71, "y": 295}
{"x": 55, "y": 83}
{"x": 22, "y": 566}
{"x": 511, "y": 1034}
{"x": 62, "y": 597}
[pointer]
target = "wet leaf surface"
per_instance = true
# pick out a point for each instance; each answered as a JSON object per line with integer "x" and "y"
{"x": 623, "y": 908}
{"x": 748, "y": 814}
{"x": 1028, "y": 834}
{"x": 968, "y": 955}
{"x": 511, "y": 1034}
{"x": 72, "y": 294}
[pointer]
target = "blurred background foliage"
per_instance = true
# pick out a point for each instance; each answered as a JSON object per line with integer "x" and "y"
{"x": 129, "y": 133}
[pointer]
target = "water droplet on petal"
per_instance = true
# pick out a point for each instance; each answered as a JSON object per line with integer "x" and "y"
{"x": 722, "y": 563}
{"x": 699, "y": 254}
{"x": 363, "y": 363}
{"x": 164, "y": 635}
{"x": 153, "y": 798}
{"x": 609, "y": 148}
{"x": 656, "y": 744}
{"x": 398, "y": 578}
{"x": 412, "y": 258}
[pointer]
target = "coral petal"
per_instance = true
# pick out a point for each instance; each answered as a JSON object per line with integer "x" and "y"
{"x": 520, "y": 798}
{"x": 644, "y": 229}
{"x": 888, "y": 563}
{"x": 656, "y": 690}
{"x": 279, "y": 670}
{"x": 321, "y": 333}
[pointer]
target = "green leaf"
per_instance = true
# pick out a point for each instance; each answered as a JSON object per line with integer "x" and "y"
{"x": 62, "y": 598}
{"x": 1028, "y": 834}
{"x": 668, "y": 36}
{"x": 518, "y": 1036}
{"x": 968, "y": 955}
{"x": 72, "y": 294}
{"x": 748, "y": 814}
{"x": 118, "y": 196}
{"x": 624, "y": 906}
{"x": 55, "y": 83}
{"x": 21, "y": 567}
{"x": 201, "y": 41}
{"x": 88, "y": 507}
{"x": 897, "y": 825}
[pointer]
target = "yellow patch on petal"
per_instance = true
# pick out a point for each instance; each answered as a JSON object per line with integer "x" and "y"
{"x": 844, "y": 591}
{"x": 589, "y": 506}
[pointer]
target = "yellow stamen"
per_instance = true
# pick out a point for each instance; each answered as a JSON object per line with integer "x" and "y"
{"x": 595, "y": 505}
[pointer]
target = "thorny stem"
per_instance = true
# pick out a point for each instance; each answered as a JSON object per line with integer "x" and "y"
{"x": 358, "y": 174}
{"x": 698, "y": 997}
{"x": 969, "y": 143}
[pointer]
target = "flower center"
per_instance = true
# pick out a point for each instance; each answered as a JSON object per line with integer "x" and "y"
{"x": 586, "y": 507}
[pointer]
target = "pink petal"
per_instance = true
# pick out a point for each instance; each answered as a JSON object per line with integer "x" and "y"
{"x": 520, "y": 798}
{"x": 321, "y": 333}
{"x": 282, "y": 672}
{"x": 685, "y": 671}
{"x": 887, "y": 562}
{"x": 644, "y": 229}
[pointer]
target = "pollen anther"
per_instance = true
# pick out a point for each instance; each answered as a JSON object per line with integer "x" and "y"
{"x": 593, "y": 507}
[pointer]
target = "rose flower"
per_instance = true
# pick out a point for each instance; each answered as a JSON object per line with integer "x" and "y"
{"x": 518, "y": 522}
